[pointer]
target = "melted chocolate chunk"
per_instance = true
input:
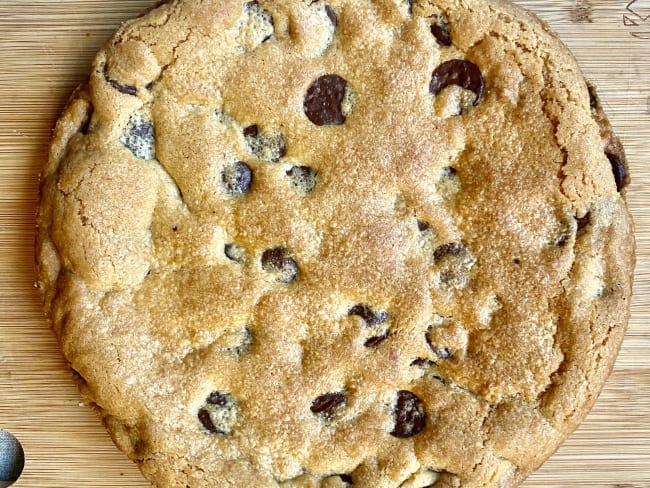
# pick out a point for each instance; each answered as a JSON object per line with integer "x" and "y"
{"x": 323, "y": 100}
{"x": 440, "y": 30}
{"x": 327, "y": 404}
{"x": 237, "y": 178}
{"x": 279, "y": 262}
{"x": 302, "y": 177}
{"x": 139, "y": 137}
{"x": 218, "y": 413}
{"x": 423, "y": 226}
{"x": 458, "y": 72}
{"x": 409, "y": 415}
{"x": 369, "y": 316}
{"x": 619, "y": 171}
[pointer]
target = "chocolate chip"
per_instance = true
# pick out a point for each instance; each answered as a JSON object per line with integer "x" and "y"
{"x": 454, "y": 262}
{"x": 302, "y": 177}
{"x": 376, "y": 340}
{"x": 323, "y": 100}
{"x": 271, "y": 23}
{"x": 236, "y": 178}
{"x": 279, "y": 262}
{"x": 234, "y": 252}
{"x": 139, "y": 137}
{"x": 440, "y": 30}
{"x": 409, "y": 415}
{"x": 331, "y": 14}
{"x": 428, "y": 364}
{"x": 267, "y": 146}
{"x": 583, "y": 222}
{"x": 251, "y": 131}
{"x": 245, "y": 343}
{"x": 562, "y": 233}
{"x": 440, "y": 379}
{"x": 409, "y": 4}
{"x": 440, "y": 352}
{"x": 126, "y": 89}
{"x": 259, "y": 21}
{"x": 373, "y": 320}
{"x": 449, "y": 249}
{"x": 562, "y": 241}
{"x": 204, "y": 418}
{"x": 122, "y": 88}
{"x": 516, "y": 261}
{"x": 422, "y": 363}
{"x": 423, "y": 226}
{"x": 327, "y": 404}
{"x": 618, "y": 169}
{"x": 217, "y": 398}
{"x": 369, "y": 316}
{"x": 218, "y": 413}
{"x": 448, "y": 172}
{"x": 458, "y": 72}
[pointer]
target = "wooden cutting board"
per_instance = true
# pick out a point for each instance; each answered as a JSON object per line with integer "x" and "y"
{"x": 45, "y": 50}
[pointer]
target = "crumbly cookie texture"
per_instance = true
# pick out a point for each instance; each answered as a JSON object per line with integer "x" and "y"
{"x": 356, "y": 243}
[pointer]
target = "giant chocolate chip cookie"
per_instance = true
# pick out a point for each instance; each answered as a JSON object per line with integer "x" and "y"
{"x": 369, "y": 243}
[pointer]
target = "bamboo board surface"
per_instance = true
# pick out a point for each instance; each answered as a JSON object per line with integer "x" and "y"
{"x": 45, "y": 50}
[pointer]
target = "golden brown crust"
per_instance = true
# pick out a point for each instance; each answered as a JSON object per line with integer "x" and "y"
{"x": 408, "y": 297}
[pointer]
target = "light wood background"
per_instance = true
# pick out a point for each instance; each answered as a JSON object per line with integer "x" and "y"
{"x": 45, "y": 51}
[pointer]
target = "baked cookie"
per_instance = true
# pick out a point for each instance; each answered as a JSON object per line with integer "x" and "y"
{"x": 356, "y": 243}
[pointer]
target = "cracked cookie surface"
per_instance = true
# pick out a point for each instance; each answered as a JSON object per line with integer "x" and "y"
{"x": 344, "y": 243}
